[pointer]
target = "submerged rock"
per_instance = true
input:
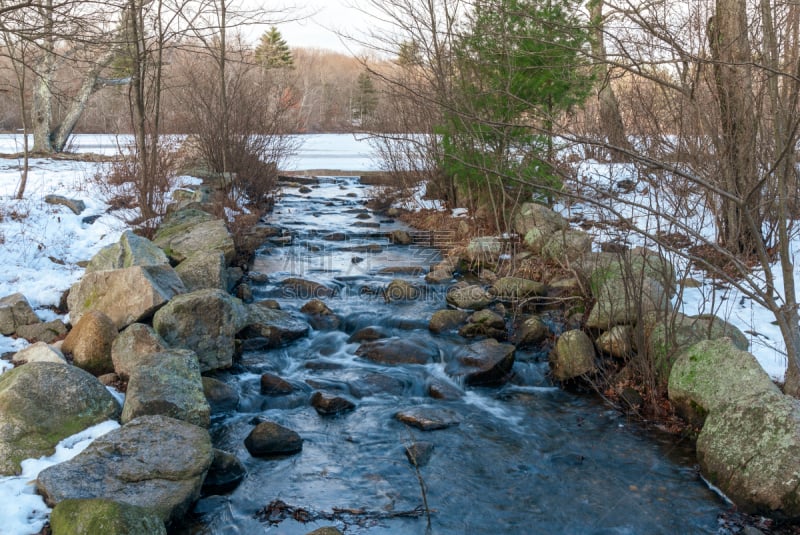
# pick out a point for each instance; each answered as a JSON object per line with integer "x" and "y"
{"x": 221, "y": 396}
{"x": 443, "y": 320}
{"x": 394, "y": 351}
{"x": 224, "y": 474}
{"x": 268, "y": 328}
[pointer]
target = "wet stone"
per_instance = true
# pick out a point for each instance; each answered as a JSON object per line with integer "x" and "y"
{"x": 441, "y": 390}
{"x": 271, "y": 439}
{"x": 367, "y": 334}
{"x": 272, "y": 385}
{"x": 328, "y": 405}
{"x": 428, "y": 419}
{"x": 376, "y": 383}
{"x": 394, "y": 351}
{"x": 224, "y": 474}
{"x": 483, "y": 363}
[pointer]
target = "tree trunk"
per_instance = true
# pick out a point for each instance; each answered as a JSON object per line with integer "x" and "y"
{"x": 43, "y": 88}
{"x": 739, "y": 220}
{"x": 60, "y": 135}
{"x": 611, "y": 124}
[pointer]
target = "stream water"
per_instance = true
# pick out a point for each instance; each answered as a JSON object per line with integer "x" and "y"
{"x": 524, "y": 458}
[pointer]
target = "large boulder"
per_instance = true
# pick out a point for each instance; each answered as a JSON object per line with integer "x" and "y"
{"x": 133, "y": 346}
{"x": 394, "y": 351}
{"x": 623, "y": 301}
{"x": 131, "y": 250}
{"x": 42, "y": 403}
{"x": 750, "y": 449}
{"x": 186, "y": 232}
{"x": 666, "y": 338}
{"x": 469, "y": 297}
{"x": 573, "y": 356}
{"x": 15, "y": 311}
{"x": 269, "y": 328}
{"x": 168, "y": 384}
{"x": 205, "y": 321}
{"x": 125, "y": 295}
{"x": 567, "y": 246}
{"x": 483, "y": 363}
{"x": 154, "y": 462}
{"x": 89, "y": 342}
{"x": 537, "y": 216}
{"x": 713, "y": 373}
{"x": 99, "y": 515}
{"x": 204, "y": 270}
{"x": 635, "y": 265}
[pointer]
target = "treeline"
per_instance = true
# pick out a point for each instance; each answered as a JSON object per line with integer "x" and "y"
{"x": 322, "y": 91}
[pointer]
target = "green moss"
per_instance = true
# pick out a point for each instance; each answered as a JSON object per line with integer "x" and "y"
{"x": 92, "y": 516}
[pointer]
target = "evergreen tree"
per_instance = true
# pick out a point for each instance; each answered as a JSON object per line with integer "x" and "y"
{"x": 409, "y": 54}
{"x": 366, "y": 101}
{"x": 272, "y": 51}
{"x": 519, "y": 64}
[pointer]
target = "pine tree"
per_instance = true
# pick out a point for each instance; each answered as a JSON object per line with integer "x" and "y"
{"x": 519, "y": 65}
{"x": 366, "y": 100}
{"x": 272, "y": 51}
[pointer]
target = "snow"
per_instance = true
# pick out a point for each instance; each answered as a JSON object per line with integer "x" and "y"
{"x": 333, "y": 151}
{"x": 40, "y": 247}
{"x": 21, "y": 509}
{"x": 655, "y": 209}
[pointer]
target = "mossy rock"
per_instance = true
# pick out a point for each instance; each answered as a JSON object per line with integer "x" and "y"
{"x": 573, "y": 356}
{"x": 750, "y": 449}
{"x": 98, "y": 515}
{"x": 666, "y": 338}
{"x": 42, "y": 403}
{"x": 713, "y": 373}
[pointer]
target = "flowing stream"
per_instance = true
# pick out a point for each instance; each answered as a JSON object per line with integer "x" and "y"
{"x": 524, "y": 458}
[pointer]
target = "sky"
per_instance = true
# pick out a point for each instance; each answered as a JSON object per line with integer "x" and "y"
{"x": 324, "y": 18}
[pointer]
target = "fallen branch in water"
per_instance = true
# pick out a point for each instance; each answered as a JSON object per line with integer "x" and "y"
{"x": 277, "y": 511}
